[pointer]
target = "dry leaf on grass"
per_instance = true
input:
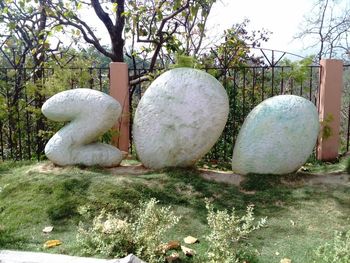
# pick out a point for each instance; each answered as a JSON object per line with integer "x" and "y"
{"x": 48, "y": 229}
{"x": 174, "y": 244}
{"x": 52, "y": 243}
{"x": 190, "y": 240}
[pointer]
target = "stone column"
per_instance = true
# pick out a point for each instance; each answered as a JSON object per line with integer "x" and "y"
{"x": 329, "y": 103}
{"x": 119, "y": 89}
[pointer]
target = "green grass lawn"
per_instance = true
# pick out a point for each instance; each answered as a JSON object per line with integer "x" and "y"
{"x": 301, "y": 216}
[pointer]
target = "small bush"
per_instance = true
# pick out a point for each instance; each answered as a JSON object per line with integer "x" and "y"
{"x": 226, "y": 231}
{"x": 141, "y": 234}
{"x": 336, "y": 251}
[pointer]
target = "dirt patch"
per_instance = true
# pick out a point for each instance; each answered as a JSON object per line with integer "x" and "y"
{"x": 337, "y": 179}
{"x": 221, "y": 176}
{"x": 127, "y": 169}
{"x": 46, "y": 167}
{"x": 123, "y": 169}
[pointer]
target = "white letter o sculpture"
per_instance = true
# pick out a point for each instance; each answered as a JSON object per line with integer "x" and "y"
{"x": 91, "y": 113}
{"x": 179, "y": 118}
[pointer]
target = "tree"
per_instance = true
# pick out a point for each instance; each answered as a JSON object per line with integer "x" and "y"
{"x": 23, "y": 42}
{"x": 327, "y": 27}
{"x": 235, "y": 50}
{"x": 151, "y": 28}
{"x": 25, "y": 48}
{"x": 26, "y": 32}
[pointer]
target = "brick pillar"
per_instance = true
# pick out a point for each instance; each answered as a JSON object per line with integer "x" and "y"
{"x": 119, "y": 89}
{"x": 329, "y": 103}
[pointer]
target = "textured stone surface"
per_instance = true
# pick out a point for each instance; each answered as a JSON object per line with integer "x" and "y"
{"x": 7, "y": 256}
{"x": 91, "y": 113}
{"x": 277, "y": 136}
{"x": 179, "y": 118}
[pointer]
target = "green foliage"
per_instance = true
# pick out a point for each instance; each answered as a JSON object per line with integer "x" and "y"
{"x": 107, "y": 137}
{"x": 299, "y": 71}
{"x": 68, "y": 194}
{"x": 290, "y": 201}
{"x": 226, "y": 231}
{"x": 23, "y": 91}
{"x": 326, "y": 130}
{"x": 347, "y": 168}
{"x": 335, "y": 251}
{"x": 165, "y": 28}
{"x": 62, "y": 210}
{"x": 142, "y": 233}
{"x": 235, "y": 51}
{"x": 183, "y": 61}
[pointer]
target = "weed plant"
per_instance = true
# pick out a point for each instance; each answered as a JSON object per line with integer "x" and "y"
{"x": 226, "y": 230}
{"x": 336, "y": 251}
{"x": 142, "y": 233}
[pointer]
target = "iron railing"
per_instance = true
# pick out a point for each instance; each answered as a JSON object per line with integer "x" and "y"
{"x": 345, "y": 111}
{"x": 24, "y": 131}
{"x": 246, "y": 87}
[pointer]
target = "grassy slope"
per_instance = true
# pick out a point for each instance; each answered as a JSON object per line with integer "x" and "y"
{"x": 299, "y": 217}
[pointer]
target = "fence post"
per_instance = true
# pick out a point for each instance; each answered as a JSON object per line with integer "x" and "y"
{"x": 329, "y": 103}
{"x": 119, "y": 89}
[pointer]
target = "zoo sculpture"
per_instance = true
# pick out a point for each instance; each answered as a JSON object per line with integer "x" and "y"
{"x": 91, "y": 113}
{"x": 179, "y": 118}
{"x": 277, "y": 136}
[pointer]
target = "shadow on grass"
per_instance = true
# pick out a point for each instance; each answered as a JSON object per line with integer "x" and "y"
{"x": 9, "y": 240}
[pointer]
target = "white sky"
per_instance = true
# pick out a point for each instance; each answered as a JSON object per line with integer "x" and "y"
{"x": 282, "y": 17}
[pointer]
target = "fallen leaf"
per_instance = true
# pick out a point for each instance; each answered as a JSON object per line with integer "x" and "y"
{"x": 187, "y": 251}
{"x": 48, "y": 229}
{"x": 52, "y": 243}
{"x": 286, "y": 260}
{"x": 190, "y": 240}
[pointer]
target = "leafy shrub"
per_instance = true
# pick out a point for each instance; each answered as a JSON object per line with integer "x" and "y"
{"x": 141, "y": 234}
{"x": 226, "y": 231}
{"x": 336, "y": 251}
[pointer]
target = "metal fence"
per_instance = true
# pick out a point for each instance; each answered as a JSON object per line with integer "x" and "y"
{"x": 345, "y": 111}
{"x": 246, "y": 87}
{"x": 24, "y": 131}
